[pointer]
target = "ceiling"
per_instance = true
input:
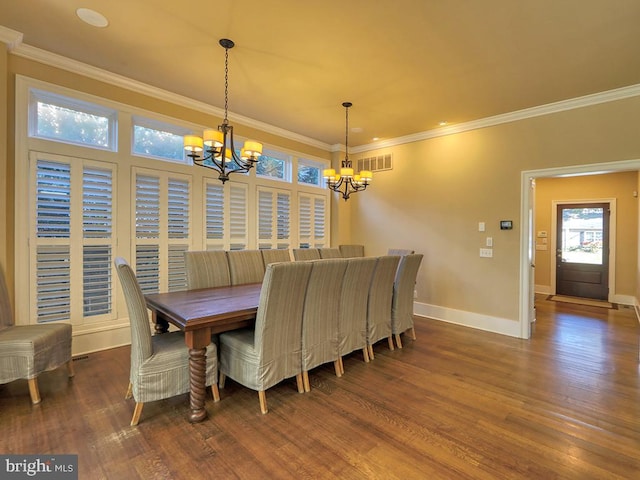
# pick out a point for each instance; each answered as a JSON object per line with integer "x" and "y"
{"x": 406, "y": 64}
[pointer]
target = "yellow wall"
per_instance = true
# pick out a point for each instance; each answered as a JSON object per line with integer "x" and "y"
{"x": 441, "y": 188}
{"x": 620, "y": 186}
{"x": 5, "y": 205}
{"x": 434, "y": 197}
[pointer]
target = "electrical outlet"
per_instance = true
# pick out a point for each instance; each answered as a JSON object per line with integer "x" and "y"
{"x": 486, "y": 252}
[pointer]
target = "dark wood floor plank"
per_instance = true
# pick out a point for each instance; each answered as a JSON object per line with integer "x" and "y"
{"x": 455, "y": 404}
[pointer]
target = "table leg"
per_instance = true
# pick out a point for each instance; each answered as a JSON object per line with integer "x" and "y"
{"x": 198, "y": 381}
{"x": 161, "y": 325}
{"x": 197, "y": 341}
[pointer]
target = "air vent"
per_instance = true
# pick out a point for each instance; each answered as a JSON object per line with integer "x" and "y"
{"x": 376, "y": 164}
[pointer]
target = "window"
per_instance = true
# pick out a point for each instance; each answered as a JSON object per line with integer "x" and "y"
{"x": 225, "y": 213}
{"x": 72, "y": 282}
{"x": 274, "y": 165}
{"x": 63, "y": 119}
{"x": 158, "y": 140}
{"x": 162, "y": 225}
{"x": 312, "y": 221}
{"x": 309, "y": 172}
{"x": 274, "y": 218}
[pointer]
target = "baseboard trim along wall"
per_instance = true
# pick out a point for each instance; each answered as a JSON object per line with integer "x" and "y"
{"x": 488, "y": 323}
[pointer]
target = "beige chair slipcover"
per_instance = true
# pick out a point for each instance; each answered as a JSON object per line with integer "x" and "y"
{"x": 301, "y": 254}
{"x": 207, "y": 269}
{"x": 159, "y": 363}
{"x": 379, "y": 303}
{"x": 399, "y": 251}
{"x": 245, "y": 266}
{"x": 329, "y": 253}
{"x": 352, "y": 320}
{"x": 274, "y": 255}
{"x": 402, "y": 303}
{"x": 320, "y": 316}
{"x": 28, "y": 350}
{"x": 350, "y": 251}
{"x": 261, "y": 357}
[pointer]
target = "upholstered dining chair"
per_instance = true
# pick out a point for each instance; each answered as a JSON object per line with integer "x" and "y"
{"x": 320, "y": 317}
{"x": 263, "y": 356}
{"x": 329, "y": 253}
{"x": 402, "y": 303}
{"x": 159, "y": 363}
{"x": 400, "y": 251}
{"x": 245, "y": 266}
{"x": 28, "y": 350}
{"x": 350, "y": 251}
{"x": 303, "y": 254}
{"x": 379, "y": 302}
{"x": 206, "y": 269}
{"x": 352, "y": 320}
{"x": 274, "y": 255}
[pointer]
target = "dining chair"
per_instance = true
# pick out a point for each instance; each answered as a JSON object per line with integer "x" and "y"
{"x": 206, "y": 269}
{"x": 245, "y": 266}
{"x": 402, "y": 303}
{"x": 320, "y": 317}
{"x": 302, "y": 254}
{"x": 159, "y": 363}
{"x": 263, "y": 356}
{"x": 329, "y": 253}
{"x": 28, "y": 350}
{"x": 400, "y": 251}
{"x": 274, "y": 255}
{"x": 352, "y": 319}
{"x": 379, "y": 302}
{"x": 350, "y": 251}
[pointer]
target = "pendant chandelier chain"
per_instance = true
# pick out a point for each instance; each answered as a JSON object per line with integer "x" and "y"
{"x": 226, "y": 84}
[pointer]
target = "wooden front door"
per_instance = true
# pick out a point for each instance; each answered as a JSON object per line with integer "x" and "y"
{"x": 582, "y": 250}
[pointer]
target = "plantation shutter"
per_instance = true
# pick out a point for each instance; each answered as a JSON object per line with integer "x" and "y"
{"x": 284, "y": 220}
{"x": 238, "y": 235}
{"x": 147, "y": 221}
{"x": 304, "y": 221}
{"x": 178, "y": 218}
{"x": 214, "y": 215}
{"x": 265, "y": 219}
{"x": 97, "y": 227}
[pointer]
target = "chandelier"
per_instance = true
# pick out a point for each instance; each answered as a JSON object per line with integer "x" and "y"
{"x": 346, "y": 183}
{"x": 216, "y": 146}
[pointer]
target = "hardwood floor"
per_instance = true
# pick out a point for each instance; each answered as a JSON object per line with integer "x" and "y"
{"x": 456, "y": 403}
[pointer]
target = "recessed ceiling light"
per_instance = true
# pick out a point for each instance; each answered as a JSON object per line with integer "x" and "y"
{"x": 375, "y": 139}
{"x": 92, "y": 17}
{"x": 442, "y": 124}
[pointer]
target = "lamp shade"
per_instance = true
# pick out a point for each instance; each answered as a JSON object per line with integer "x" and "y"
{"x": 346, "y": 172}
{"x": 192, "y": 143}
{"x": 213, "y": 138}
{"x": 328, "y": 173}
{"x": 253, "y": 148}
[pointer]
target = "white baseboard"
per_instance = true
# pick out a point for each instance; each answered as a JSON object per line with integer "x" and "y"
{"x": 95, "y": 340}
{"x": 543, "y": 289}
{"x": 623, "y": 299}
{"x": 488, "y": 323}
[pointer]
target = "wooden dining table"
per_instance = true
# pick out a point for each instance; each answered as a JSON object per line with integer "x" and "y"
{"x": 199, "y": 314}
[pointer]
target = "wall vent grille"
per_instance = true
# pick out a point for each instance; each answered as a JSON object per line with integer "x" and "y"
{"x": 376, "y": 164}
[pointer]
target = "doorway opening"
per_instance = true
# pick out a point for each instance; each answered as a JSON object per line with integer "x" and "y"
{"x": 527, "y": 238}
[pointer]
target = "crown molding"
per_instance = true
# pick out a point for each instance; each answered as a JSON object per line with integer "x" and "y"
{"x": 548, "y": 109}
{"x": 64, "y": 63}
{"x": 9, "y": 37}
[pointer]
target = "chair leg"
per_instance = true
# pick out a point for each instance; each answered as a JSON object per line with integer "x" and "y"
{"x": 398, "y": 341}
{"x": 215, "y": 392}
{"x": 336, "y": 366}
{"x": 305, "y": 378}
{"x": 365, "y": 354}
{"x": 341, "y": 365}
{"x": 413, "y": 333}
{"x": 371, "y": 355}
{"x": 263, "y": 401}
{"x": 70, "y": 371}
{"x": 33, "y": 390}
{"x": 390, "y": 340}
{"x": 136, "y": 414}
{"x": 129, "y": 393}
{"x": 300, "y": 383}
{"x": 221, "y": 378}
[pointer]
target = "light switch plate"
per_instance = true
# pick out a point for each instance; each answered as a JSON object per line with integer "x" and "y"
{"x": 486, "y": 252}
